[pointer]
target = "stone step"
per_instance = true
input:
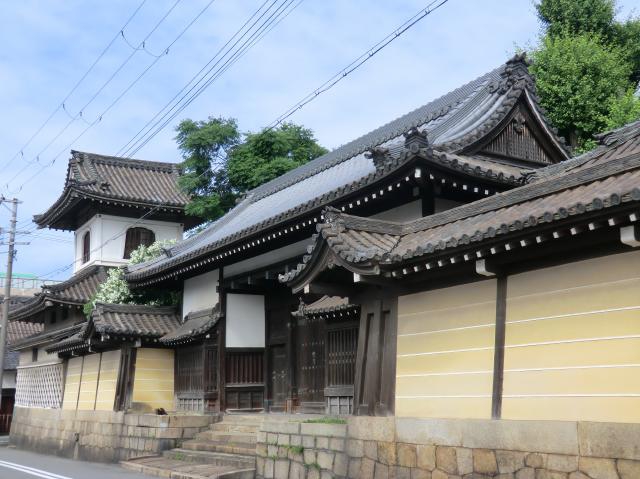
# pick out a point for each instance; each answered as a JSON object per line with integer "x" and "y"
{"x": 229, "y": 448}
{"x": 163, "y": 467}
{"x": 206, "y": 457}
{"x": 235, "y": 427}
{"x": 256, "y": 418}
{"x": 226, "y": 437}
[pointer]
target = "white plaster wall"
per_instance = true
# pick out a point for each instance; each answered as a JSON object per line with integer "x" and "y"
{"x": 400, "y": 214}
{"x": 43, "y": 356}
{"x": 200, "y": 292}
{"x": 245, "y": 321}
{"x": 110, "y": 232}
{"x": 9, "y": 379}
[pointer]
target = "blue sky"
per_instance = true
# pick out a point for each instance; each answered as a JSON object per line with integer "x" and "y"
{"x": 47, "y": 46}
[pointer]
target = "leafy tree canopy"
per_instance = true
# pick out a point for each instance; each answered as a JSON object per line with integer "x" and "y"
{"x": 587, "y": 67}
{"x": 220, "y": 163}
{"x": 266, "y": 155}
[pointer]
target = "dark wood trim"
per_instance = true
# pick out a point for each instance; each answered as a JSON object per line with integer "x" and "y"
{"x": 222, "y": 341}
{"x": 498, "y": 355}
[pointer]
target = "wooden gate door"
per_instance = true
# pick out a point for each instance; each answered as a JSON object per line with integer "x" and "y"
{"x": 311, "y": 333}
{"x": 279, "y": 380}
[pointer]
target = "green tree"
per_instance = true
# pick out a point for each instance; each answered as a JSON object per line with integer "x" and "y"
{"x": 587, "y": 67}
{"x": 579, "y": 78}
{"x": 204, "y": 146}
{"x": 268, "y": 154}
{"x": 573, "y": 17}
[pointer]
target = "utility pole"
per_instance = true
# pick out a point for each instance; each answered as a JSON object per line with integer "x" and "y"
{"x": 7, "y": 285}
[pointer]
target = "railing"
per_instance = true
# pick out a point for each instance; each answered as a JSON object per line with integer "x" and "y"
{"x": 27, "y": 283}
{"x": 244, "y": 367}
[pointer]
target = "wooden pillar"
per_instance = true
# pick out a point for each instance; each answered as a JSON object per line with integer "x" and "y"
{"x": 222, "y": 340}
{"x": 498, "y": 356}
{"x": 374, "y": 391}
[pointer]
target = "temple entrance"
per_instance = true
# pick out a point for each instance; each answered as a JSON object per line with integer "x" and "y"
{"x": 279, "y": 379}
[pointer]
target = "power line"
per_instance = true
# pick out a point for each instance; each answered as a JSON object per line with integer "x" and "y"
{"x": 74, "y": 88}
{"x": 116, "y": 100}
{"x": 140, "y": 139}
{"x": 358, "y": 62}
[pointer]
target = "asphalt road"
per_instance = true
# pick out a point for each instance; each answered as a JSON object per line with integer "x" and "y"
{"x": 17, "y": 464}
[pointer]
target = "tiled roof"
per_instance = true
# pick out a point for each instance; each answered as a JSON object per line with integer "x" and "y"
{"x": 77, "y": 290}
{"x": 326, "y": 305}
{"x": 453, "y": 122}
{"x": 196, "y": 324}
{"x": 49, "y": 336}
{"x": 134, "y": 320}
{"x": 606, "y": 179}
{"x": 119, "y": 181}
{"x": 17, "y": 330}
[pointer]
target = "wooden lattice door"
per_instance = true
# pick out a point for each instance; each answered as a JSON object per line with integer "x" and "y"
{"x": 311, "y": 333}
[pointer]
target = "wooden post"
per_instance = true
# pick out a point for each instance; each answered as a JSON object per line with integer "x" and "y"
{"x": 498, "y": 357}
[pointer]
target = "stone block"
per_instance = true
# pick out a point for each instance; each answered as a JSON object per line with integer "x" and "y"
{"x": 381, "y": 471}
{"x": 465, "y": 460}
{"x": 297, "y": 471}
{"x": 283, "y": 452}
{"x": 426, "y": 457}
{"x": 325, "y": 459}
{"x": 260, "y": 467}
{"x": 367, "y": 468}
{"x": 337, "y": 444}
{"x": 313, "y": 473}
{"x": 354, "y": 468}
{"x": 399, "y": 472}
{"x": 577, "y": 475}
{"x": 387, "y": 453}
{"x": 272, "y": 438}
{"x": 269, "y": 468}
{"x": 272, "y": 450}
{"x": 281, "y": 470}
{"x": 484, "y": 461}
{"x": 295, "y": 440}
{"x": 309, "y": 456}
{"x": 372, "y": 428}
{"x": 628, "y": 469}
{"x": 261, "y": 436}
{"x": 281, "y": 427}
{"x": 443, "y": 432}
{"x": 322, "y": 443}
{"x": 420, "y": 474}
{"x": 446, "y": 459}
{"x": 510, "y": 461}
{"x": 613, "y": 440}
{"x": 562, "y": 463}
{"x": 535, "y": 460}
{"x": 341, "y": 464}
{"x": 407, "y": 455}
{"x": 167, "y": 433}
{"x": 308, "y": 442}
{"x": 597, "y": 468}
{"x": 283, "y": 439}
{"x": 355, "y": 447}
{"x": 261, "y": 450}
{"x": 371, "y": 450}
{"x": 438, "y": 474}
{"x": 329, "y": 430}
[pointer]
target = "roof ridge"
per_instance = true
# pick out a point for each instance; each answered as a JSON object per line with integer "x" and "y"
{"x": 134, "y": 308}
{"x": 351, "y": 148}
{"x": 79, "y": 276}
{"x": 121, "y": 161}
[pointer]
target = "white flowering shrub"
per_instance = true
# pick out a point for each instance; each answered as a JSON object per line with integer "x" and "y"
{"x": 115, "y": 289}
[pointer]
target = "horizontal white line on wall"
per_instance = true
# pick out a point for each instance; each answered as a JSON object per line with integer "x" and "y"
{"x": 574, "y": 288}
{"x": 570, "y": 341}
{"x": 450, "y": 308}
{"x": 569, "y": 315}
{"x": 448, "y": 396}
{"x": 577, "y": 395}
{"x": 563, "y": 368}
{"x": 449, "y": 351}
{"x": 451, "y": 373}
{"x": 461, "y": 328}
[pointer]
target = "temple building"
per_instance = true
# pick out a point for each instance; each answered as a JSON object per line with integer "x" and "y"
{"x": 452, "y": 288}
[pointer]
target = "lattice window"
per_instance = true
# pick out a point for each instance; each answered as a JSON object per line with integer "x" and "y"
{"x": 40, "y": 386}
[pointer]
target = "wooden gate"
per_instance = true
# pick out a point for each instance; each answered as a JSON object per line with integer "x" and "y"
{"x": 310, "y": 341}
{"x": 244, "y": 377}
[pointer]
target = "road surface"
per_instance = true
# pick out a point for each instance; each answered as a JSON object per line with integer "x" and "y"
{"x": 18, "y": 464}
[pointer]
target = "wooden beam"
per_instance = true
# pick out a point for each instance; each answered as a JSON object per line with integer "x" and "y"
{"x": 324, "y": 288}
{"x": 484, "y": 268}
{"x": 498, "y": 355}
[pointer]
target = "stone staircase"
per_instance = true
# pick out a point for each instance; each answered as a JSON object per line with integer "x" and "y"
{"x": 226, "y": 450}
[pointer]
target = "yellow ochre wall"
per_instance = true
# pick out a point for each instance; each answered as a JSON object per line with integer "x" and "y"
{"x": 445, "y": 352}
{"x": 572, "y": 348}
{"x": 153, "y": 381}
{"x": 90, "y": 382}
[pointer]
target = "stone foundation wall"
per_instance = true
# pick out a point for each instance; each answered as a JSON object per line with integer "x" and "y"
{"x": 402, "y": 448}
{"x": 101, "y": 436}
